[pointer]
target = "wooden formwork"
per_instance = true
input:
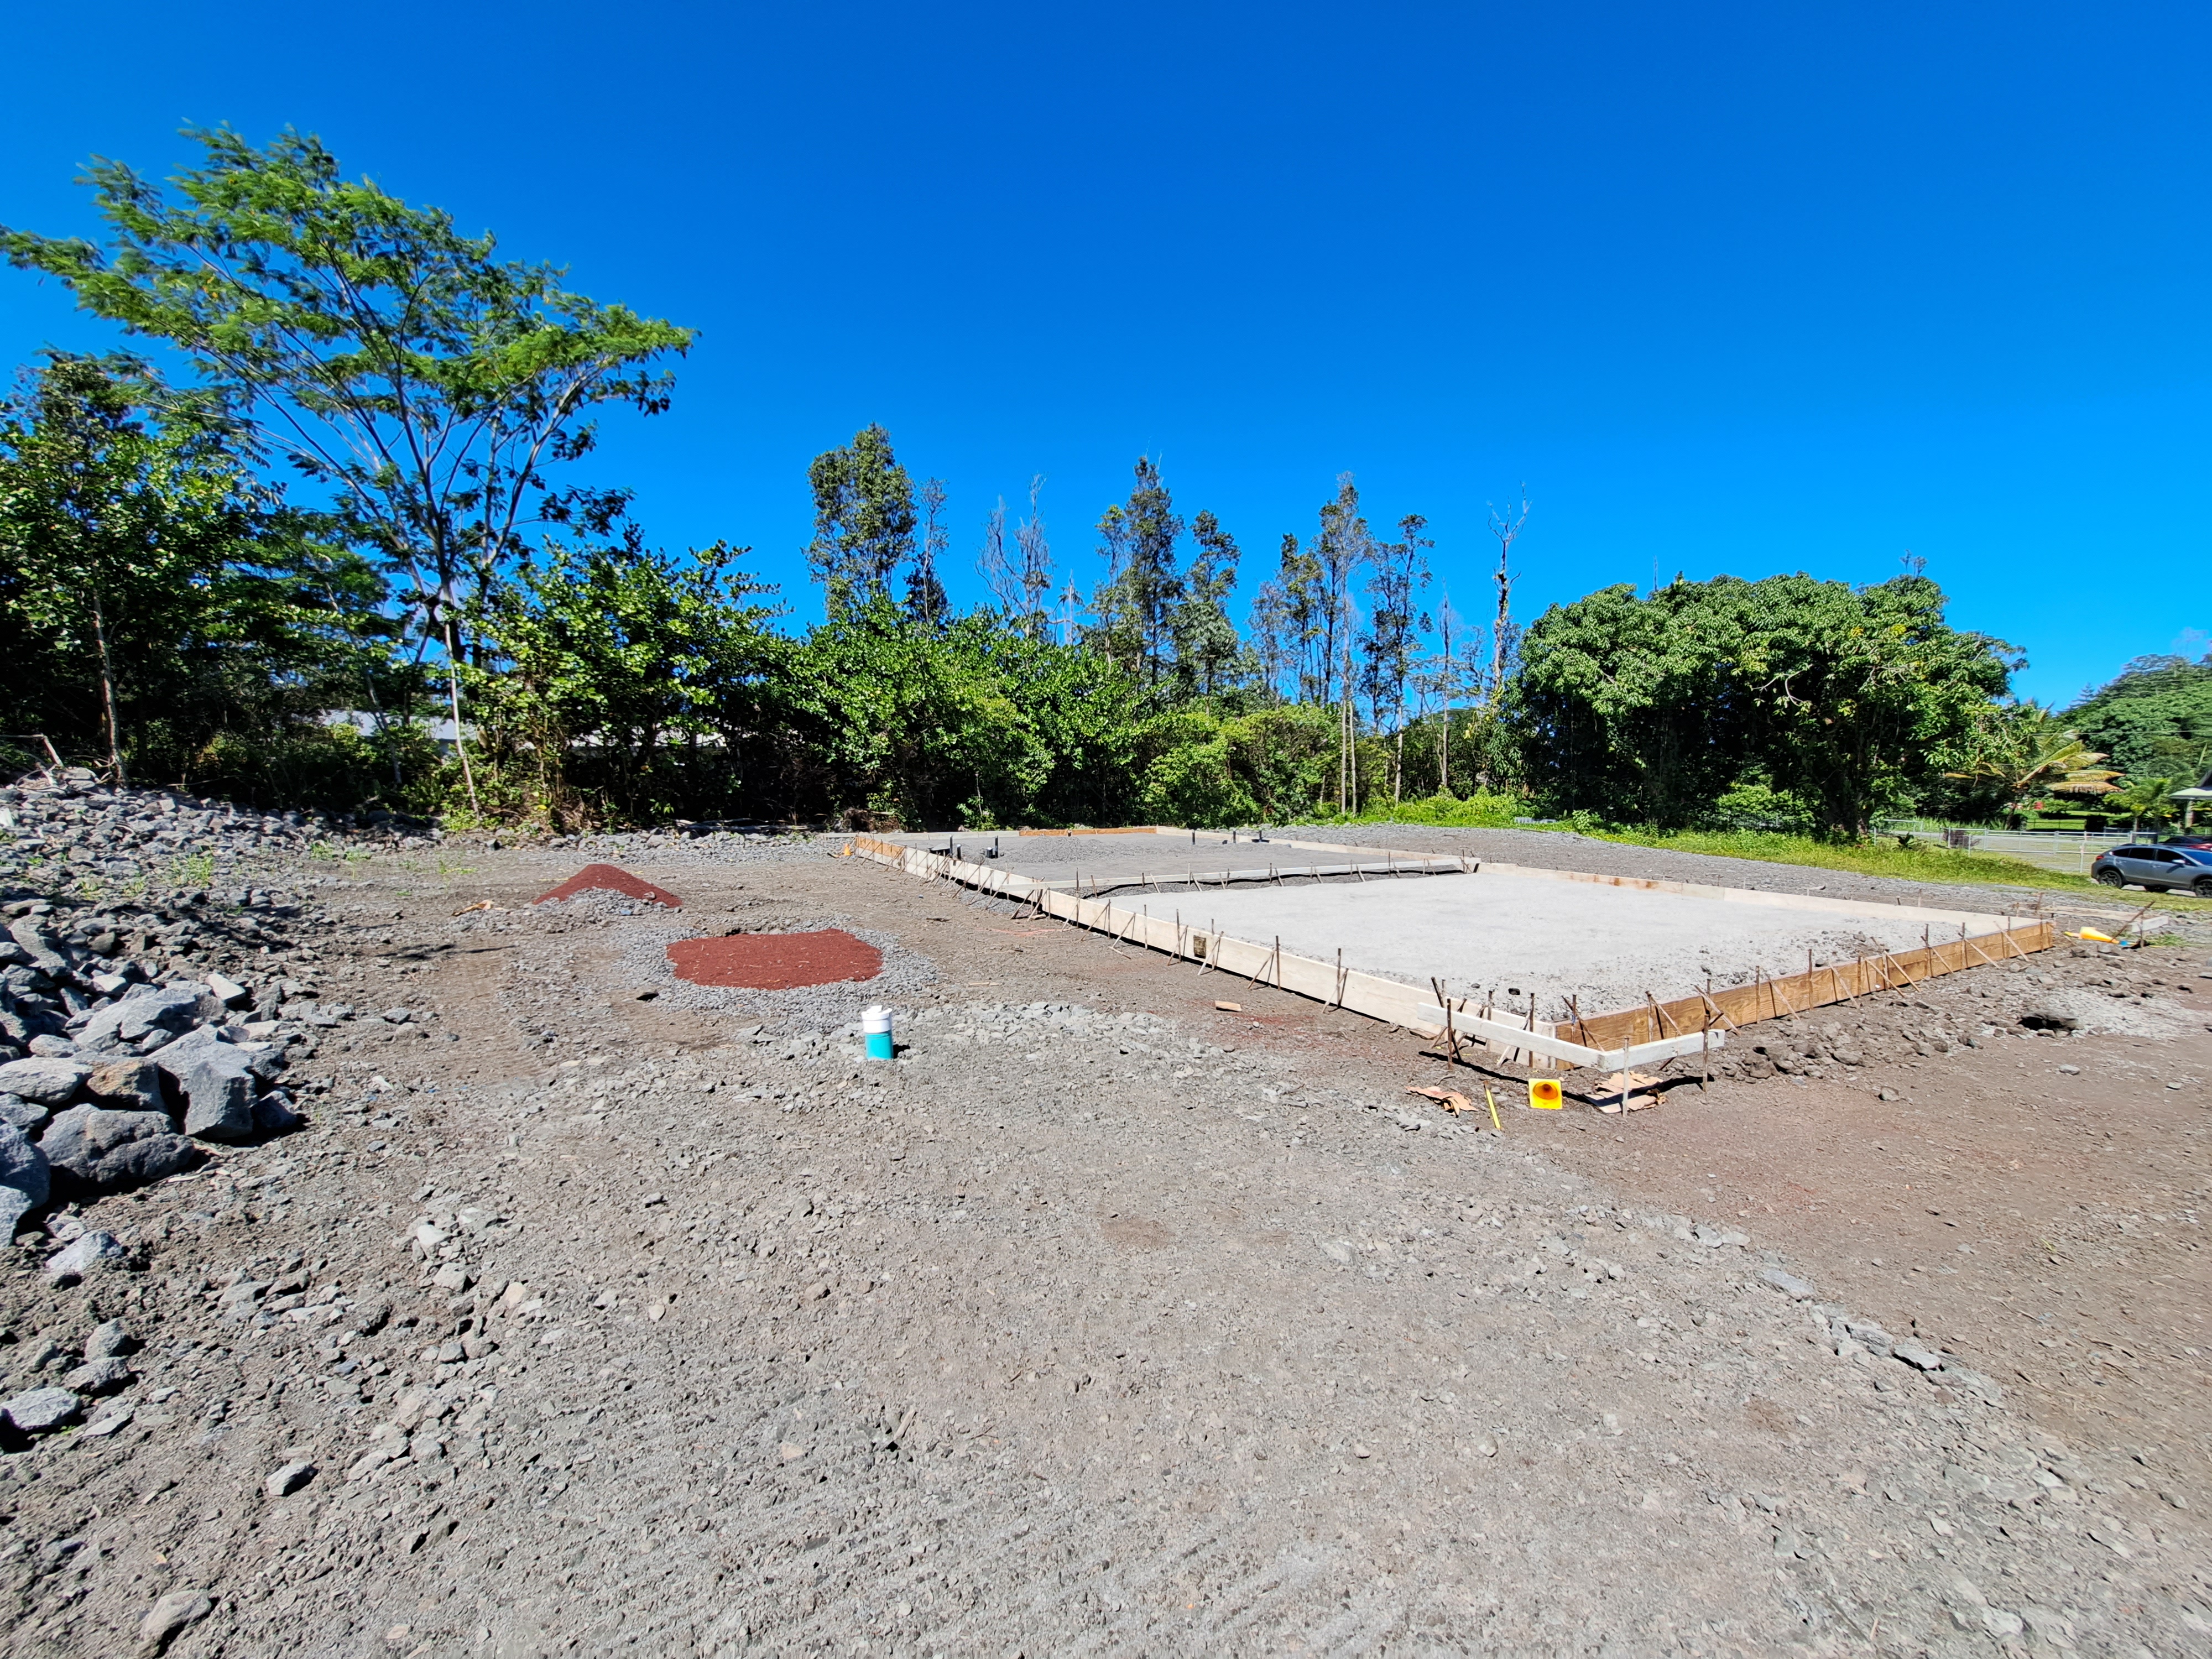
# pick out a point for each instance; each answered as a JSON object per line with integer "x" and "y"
{"x": 1630, "y": 1038}
{"x": 1816, "y": 988}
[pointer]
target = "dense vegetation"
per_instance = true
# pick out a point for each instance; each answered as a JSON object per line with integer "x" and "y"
{"x": 347, "y": 555}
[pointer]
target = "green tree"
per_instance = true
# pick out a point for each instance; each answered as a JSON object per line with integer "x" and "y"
{"x": 429, "y": 386}
{"x": 924, "y": 593}
{"x": 1342, "y": 550}
{"x": 976, "y": 725}
{"x": 864, "y": 520}
{"x": 1286, "y": 626}
{"x": 2016, "y": 750}
{"x": 626, "y": 676}
{"x": 158, "y": 597}
{"x": 1137, "y": 601}
{"x": 2146, "y": 799}
{"x": 1391, "y": 644}
{"x": 1848, "y": 699}
{"x": 2153, "y": 717}
{"x": 1206, "y": 647}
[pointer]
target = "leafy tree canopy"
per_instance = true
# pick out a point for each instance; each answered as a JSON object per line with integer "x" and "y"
{"x": 1848, "y": 699}
{"x": 427, "y": 384}
{"x": 2154, "y": 719}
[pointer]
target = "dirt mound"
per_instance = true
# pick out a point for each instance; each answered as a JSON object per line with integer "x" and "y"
{"x": 611, "y": 878}
{"x": 776, "y": 961}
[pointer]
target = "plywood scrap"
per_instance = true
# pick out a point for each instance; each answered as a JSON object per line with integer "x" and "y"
{"x": 1450, "y": 1099}
{"x": 1618, "y": 1092}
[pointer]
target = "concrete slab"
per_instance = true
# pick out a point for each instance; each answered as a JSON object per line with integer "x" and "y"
{"x": 1521, "y": 935}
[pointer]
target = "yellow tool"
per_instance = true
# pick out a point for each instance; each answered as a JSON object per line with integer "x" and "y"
{"x": 1493, "y": 1099}
{"x": 1544, "y": 1094}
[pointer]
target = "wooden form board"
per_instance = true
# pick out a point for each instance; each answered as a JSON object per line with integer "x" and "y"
{"x": 1817, "y": 987}
{"x": 1388, "y": 1000}
{"x": 1131, "y": 830}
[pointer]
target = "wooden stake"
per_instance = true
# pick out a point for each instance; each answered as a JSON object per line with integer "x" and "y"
{"x": 1451, "y": 1038}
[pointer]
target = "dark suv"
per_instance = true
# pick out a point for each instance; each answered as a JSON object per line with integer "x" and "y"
{"x": 2156, "y": 867}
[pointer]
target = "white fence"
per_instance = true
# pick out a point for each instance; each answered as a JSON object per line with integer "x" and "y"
{"x": 2068, "y": 851}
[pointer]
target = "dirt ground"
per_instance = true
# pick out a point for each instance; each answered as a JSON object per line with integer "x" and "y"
{"x": 1108, "y": 1320}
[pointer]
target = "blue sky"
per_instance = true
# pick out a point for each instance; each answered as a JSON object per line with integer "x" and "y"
{"x": 1737, "y": 288}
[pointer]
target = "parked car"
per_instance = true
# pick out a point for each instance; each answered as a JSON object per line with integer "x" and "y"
{"x": 2156, "y": 868}
{"x": 2187, "y": 838}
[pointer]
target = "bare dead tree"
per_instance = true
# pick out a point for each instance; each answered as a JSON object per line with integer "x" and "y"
{"x": 1506, "y": 527}
{"x": 992, "y": 565}
{"x": 1035, "y": 575}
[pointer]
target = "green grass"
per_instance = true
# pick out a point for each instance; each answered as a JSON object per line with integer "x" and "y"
{"x": 1923, "y": 860}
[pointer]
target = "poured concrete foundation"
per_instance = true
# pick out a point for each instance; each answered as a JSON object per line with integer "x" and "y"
{"x": 1495, "y": 936}
{"x": 1575, "y": 967}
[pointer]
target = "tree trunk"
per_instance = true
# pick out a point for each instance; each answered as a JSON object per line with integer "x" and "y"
{"x": 108, "y": 694}
{"x": 460, "y": 741}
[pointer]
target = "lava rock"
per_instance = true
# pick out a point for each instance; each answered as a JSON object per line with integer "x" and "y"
{"x": 25, "y": 1179}
{"x": 91, "y": 1147}
{"x": 2049, "y": 1019}
{"x": 147, "y": 1010}
{"x": 39, "y": 946}
{"x": 219, "y": 1081}
{"x": 98, "y": 1376}
{"x": 128, "y": 1086}
{"x": 88, "y": 1254}
{"x": 288, "y": 1479}
{"x": 44, "y": 1082}
{"x": 177, "y": 1611}
{"x": 110, "y": 1340}
{"x": 23, "y": 1114}
{"x": 273, "y": 1114}
{"x": 40, "y": 1411}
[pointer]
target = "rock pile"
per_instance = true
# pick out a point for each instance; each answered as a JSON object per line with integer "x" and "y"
{"x": 56, "y": 833}
{"x": 127, "y": 1095}
{"x": 120, "y": 1052}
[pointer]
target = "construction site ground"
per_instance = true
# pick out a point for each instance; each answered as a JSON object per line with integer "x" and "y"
{"x": 1110, "y": 1321}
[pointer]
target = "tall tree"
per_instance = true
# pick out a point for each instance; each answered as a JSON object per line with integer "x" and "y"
{"x": 1344, "y": 547}
{"x": 1506, "y": 527}
{"x": 1137, "y": 538}
{"x": 1036, "y": 565}
{"x": 1021, "y": 581}
{"x": 429, "y": 386}
{"x": 1205, "y": 642}
{"x": 1286, "y": 623}
{"x": 1001, "y": 578}
{"x": 1398, "y": 575}
{"x": 864, "y": 520}
{"x": 1449, "y": 674}
{"x": 925, "y": 592}
{"x": 156, "y": 595}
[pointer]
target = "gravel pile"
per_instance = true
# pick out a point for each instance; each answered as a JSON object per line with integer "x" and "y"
{"x": 77, "y": 836}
